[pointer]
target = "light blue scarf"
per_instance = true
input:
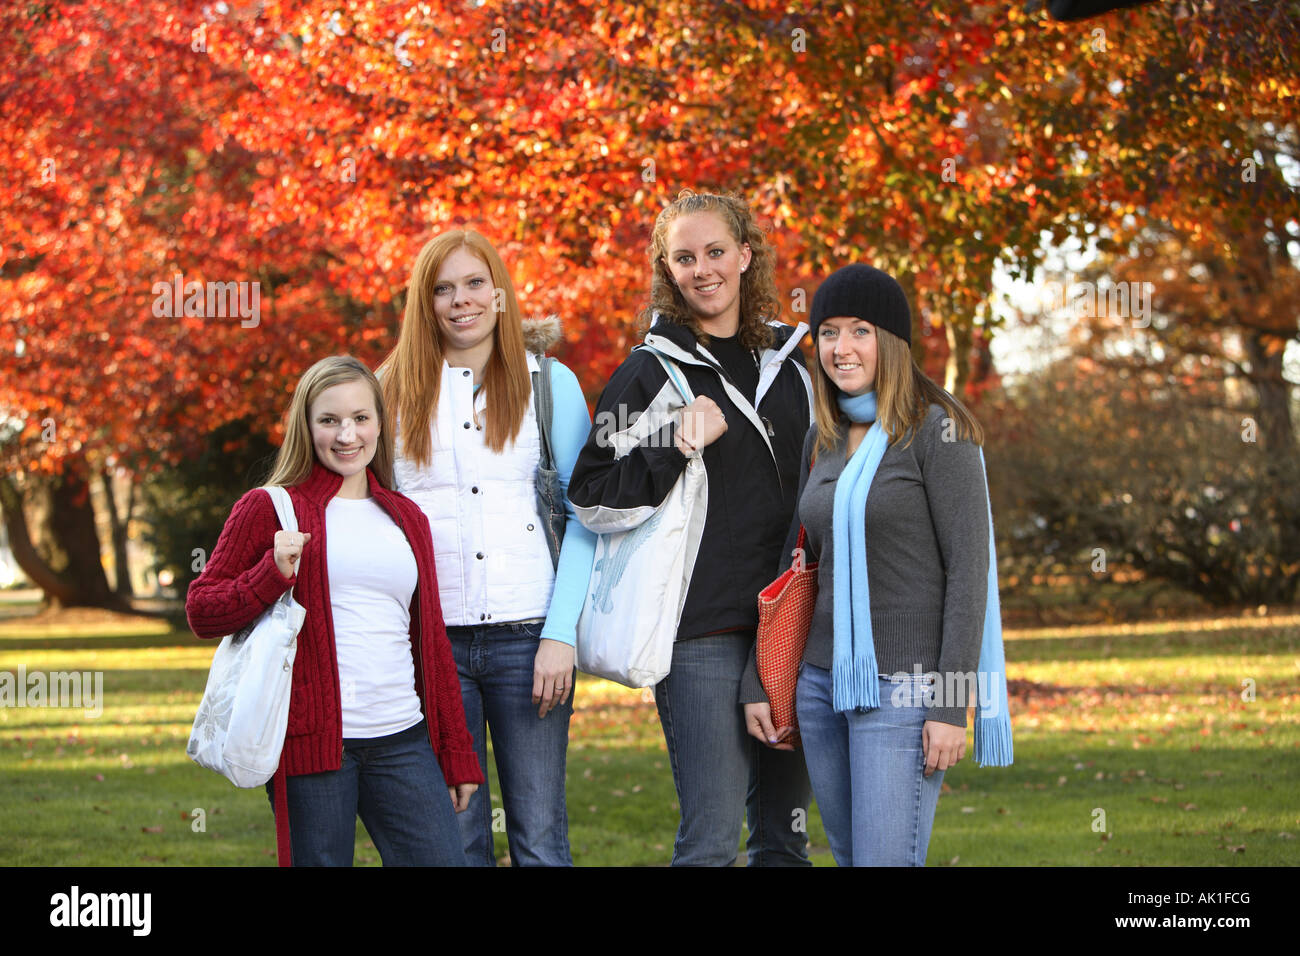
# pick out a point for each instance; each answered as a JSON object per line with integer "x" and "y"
{"x": 854, "y": 675}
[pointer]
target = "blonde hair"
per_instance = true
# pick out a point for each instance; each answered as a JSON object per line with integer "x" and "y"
{"x": 293, "y": 462}
{"x": 759, "y": 301}
{"x": 412, "y": 373}
{"x": 904, "y": 395}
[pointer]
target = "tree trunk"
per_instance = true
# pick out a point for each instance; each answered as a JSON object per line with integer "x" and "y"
{"x": 57, "y": 591}
{"x": 1274, "y": 392}
{"x": 72, "y": 522}
{"x": 118, "y": 525}
{"x": 958, "y": 366}
{"x": 71, "y": 525}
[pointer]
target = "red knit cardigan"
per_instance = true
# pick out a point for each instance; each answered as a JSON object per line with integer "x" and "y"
{"x": 241, "y": 580}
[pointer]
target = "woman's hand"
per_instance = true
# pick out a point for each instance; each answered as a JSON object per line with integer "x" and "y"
{"x": 460, "y": 795}
{"x": 552, "y": 674}
{"x": 702, "y": 424}
{"x": 943, "y": 745}
{"x": 288, "y": 549}
{"x": 758, "y": 721}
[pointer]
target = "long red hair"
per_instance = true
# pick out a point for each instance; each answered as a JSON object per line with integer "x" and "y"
{"x": 411, "y": 375}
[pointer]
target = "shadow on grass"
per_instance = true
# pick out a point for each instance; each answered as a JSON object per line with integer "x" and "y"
{"x": 96, "y": 643}
{"x": 1120, "y": 644}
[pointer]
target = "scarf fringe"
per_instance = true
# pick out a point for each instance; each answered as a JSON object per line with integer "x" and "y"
{"x": 993, "y": 740}
{"x": 855, "y": 683}
{"x": 854, "y": 672}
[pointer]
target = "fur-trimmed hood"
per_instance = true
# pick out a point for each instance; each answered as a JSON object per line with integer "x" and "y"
{"x": 541, "y": 333}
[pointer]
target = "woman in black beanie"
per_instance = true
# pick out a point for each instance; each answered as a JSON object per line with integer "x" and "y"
{"x": 891, "y": 662}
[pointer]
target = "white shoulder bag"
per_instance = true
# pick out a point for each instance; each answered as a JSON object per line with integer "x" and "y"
{"x": 640, "y": 577}
{"x": 239, "y": 730}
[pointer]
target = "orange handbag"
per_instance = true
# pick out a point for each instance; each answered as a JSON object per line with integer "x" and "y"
{"x": 785, "y": 610}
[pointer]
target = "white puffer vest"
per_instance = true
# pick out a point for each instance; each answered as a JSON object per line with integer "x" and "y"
{"x": 488, "y": 542}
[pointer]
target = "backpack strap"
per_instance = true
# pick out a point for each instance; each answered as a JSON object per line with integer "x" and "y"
{"x": 550, "y": 499}
{"x": 283, "y": 507}
{"x": 544, "y": 404}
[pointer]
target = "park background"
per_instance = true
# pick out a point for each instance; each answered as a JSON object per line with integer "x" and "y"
{"x": 1097, "y": 223}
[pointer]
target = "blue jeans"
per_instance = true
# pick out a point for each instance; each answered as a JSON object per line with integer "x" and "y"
{"x": 721, "y": 773}
{"x": 495, "y": 664}
{"x": 868, "y": 771}
{"x": 397, "y": 787}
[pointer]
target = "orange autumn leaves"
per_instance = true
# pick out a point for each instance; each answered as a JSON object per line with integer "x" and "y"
{"x": 313, "y": 147}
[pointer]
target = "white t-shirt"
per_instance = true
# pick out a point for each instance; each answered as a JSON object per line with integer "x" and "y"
{"x": 372, "y": 575}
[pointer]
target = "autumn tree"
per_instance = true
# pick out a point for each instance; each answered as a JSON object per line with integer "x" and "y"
{"x": 312, "y": 147}
{"x": 118, "y": 178}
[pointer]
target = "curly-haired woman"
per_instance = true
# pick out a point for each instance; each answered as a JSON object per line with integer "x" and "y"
{"x": 712, "y": 315}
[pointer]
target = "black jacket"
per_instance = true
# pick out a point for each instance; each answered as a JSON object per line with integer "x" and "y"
{"x": 751, "y": 489}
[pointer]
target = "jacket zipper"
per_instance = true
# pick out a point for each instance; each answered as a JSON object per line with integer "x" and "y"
{"x": 722, "y": 374}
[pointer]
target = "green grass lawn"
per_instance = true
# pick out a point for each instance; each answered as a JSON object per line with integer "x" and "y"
{"x": 1142, "y": 729}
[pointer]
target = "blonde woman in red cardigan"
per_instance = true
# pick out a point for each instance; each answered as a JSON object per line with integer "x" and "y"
{"x": 376, "y": 724}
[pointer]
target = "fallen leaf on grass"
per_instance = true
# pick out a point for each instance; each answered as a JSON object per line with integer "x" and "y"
{"x": 151, "y": 829}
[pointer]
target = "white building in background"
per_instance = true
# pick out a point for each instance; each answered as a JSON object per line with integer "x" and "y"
{"x": 10, "y": 573}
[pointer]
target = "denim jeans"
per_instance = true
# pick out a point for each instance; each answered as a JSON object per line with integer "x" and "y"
{"x": 495, "y": 664}
{"x": 721, "y": 773}
{"x": 868, "y": 771}
{"x": 396, "y": 786}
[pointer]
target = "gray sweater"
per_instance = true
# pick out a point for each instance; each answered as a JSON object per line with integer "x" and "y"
{"x": 927, "y": 559}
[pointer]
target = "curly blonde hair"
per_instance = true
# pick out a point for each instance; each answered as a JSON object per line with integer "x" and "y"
{"x": 759, "y": 302}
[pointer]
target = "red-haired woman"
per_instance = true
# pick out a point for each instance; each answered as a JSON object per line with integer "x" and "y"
{"x": 513, "y": 562}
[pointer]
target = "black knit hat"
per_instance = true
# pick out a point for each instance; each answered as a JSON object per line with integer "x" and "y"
{"x": 863, "y": 292}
